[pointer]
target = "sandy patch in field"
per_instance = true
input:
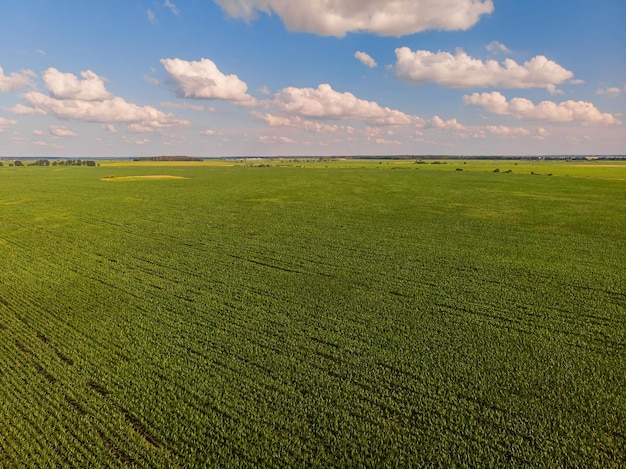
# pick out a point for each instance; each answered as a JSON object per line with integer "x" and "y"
{"x": 151, "y": 177}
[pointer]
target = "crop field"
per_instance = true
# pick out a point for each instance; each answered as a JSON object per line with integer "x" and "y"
{"x": 313, "y": 313}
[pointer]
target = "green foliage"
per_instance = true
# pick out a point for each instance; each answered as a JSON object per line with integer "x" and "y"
{"x": 297, "y": 317}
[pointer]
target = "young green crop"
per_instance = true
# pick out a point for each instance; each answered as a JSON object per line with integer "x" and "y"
{"x": 294, "y": 316}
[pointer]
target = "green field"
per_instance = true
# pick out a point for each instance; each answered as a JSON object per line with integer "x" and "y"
{"x": 313, "y": 313}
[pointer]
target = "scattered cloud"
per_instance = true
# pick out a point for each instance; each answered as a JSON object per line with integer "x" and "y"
{"x": 41, "y": 143}
{"x": 37, "y": 132}
{"x": 61, "y": 131}
{"x": 505, "y": 131}
{"x": 173, "y": 8}
{"x": 110, "y": 128}
{"x": 613, "y": 91}
{"x": 6, "y": 123}
{"x": 524, "y": 109}
{"x": 366, "y": 59}
{"x": 87, "y": 100}
{"x": 462, "y": 71}
{"x": 203, "y": 80}
{"x": 15, "y": 81}
{"x": 325, "y": 103}
{"x": 265, "y": 91}
{"x": 496, "y": 47}
{"x": 275, "y": 121}
{"x": 153, "y": 81}
{"x": 69, "y": 86}
{"x": 211, "y": 133}
{"x": 438, "y": 123}
{"x": 382, "y": 17}
{"x": 140, "y": 128}
{"x": 187, "y": 106}
{"x": 274, "y": 139}
{"x": 151, "y": 16}
{"x": 41, "y": 51}
{"x": 296, "y": 121}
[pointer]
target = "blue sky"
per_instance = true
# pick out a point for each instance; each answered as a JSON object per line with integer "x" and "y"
{"x": 283, "y": 77}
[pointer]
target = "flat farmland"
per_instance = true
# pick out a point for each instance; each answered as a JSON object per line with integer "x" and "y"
{"x": 330, "y": 314}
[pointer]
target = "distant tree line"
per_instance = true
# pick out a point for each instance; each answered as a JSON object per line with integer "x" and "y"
{"x": 53, "y": 163}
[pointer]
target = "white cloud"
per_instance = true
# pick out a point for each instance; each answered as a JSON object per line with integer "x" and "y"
{"x": 153, "y": 81}
{"x": 505, "y": 131}
{"x": 61, "y": 131}
{"x": 366, "y": 59}
{"x": 382, "y": 17}
{"x": 325, "y": 103}
{"x": 6, "y": 123}
{"x": 265, "y": 90}
{"x": 68, "y": 86}
{"x": 107, "y": 111}
{"x": 613, "y": 91}
{"x": 87, "y": 100}
{"x": 203, "y": 80}
{"x": 37, "y": 132}
{"x": 174, "y": 9}
{"x": 496, "y": 47}
{"x": 211, "y": 133}
{"x": 15, "y": 81}
{"x": 462, "y": 71}
{"x": 140, "y": 128}
{"x": 524, "y": 109}
{"x": 275, "y": 121}
{"x": 187, "y": 106}
{"x": 274, "y": 139}
{"x": 41, "y": 51}
{"x": 151, "y": 16}
{"x": 110, "y": 128}
{"x": 304, "y": 124}
{"x": 438, "y": 123}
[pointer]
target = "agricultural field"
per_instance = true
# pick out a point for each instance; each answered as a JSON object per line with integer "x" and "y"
{"x": 313, "y": 313}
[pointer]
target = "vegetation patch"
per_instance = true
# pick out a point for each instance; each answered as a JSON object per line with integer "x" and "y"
{"x": 347, "y": 316}
{"x": 147, "y": 177}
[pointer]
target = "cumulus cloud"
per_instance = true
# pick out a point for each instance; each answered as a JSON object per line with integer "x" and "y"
{"x": 496, "y": 47}
{"x": 462, "y": 71}
{"x": 108, "y": 111}
{"x": 275, "y": 121}
{"x": 211, "y": 132}
{"x": 524, "y": 109}
{"x": 203, "y": 80}
{"x": 61, "y": 131}
{"x": 140, "y": 128}
{"x": 613, "y": 91}
{"x": 69, "y": 86}
{"x": 505, "y": 131}
{"x": 382, "y": 17}
{"x": 6, "y": 123}
{"x": 274, "y": 139}
{"x": 296, "y": 121}
{"x": 325, "y": 103}
{"x": 15, "y": 81}
{"x": 438, "y": 123}
{"x": 187, "y": 106}
{"x": 366, "y": 59}
{"x": 173, "y": 8}
{"x": 87, "y": 100}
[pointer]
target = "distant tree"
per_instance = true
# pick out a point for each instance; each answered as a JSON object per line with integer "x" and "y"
{"x": 90, "y": 163}
{"x": 18, "y": 163}
{"x": 1, "y": 164}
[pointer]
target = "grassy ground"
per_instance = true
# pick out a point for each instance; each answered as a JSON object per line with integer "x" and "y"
{"x": 346, "y": 316}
